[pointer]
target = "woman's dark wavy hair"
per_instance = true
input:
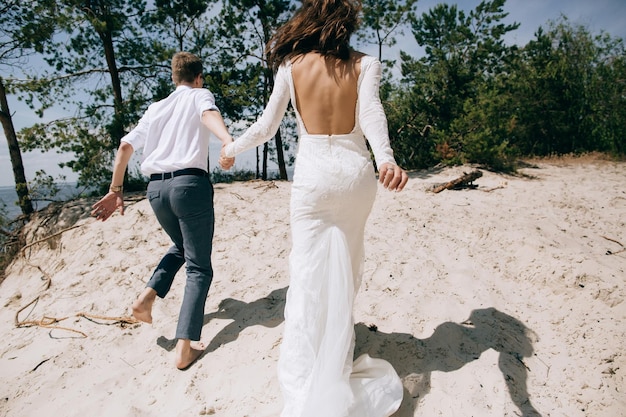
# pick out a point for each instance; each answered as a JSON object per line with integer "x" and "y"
{"x": 323, "y": 26}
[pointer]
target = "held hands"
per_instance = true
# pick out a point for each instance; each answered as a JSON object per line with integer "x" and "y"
{"x": 106, "y": 206}
{"x": 392, "y": 177}
{"x": 226, "y": 162}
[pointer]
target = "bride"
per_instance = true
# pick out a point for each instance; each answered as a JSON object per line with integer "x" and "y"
{"x": 334, "y": 91}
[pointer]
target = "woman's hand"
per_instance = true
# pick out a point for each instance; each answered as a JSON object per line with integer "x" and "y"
{"x": 392, "y": 177}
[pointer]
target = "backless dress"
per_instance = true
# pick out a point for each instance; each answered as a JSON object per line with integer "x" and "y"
{"x": 333, "y": 190}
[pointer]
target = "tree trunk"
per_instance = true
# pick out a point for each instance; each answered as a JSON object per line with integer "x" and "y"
{"x": 258, "y": 160}
{"x": 280, "y": 155}
{"x": 21, "y": 186}
{"x": 117, "y": 131}
{"x": 265, "y": 157}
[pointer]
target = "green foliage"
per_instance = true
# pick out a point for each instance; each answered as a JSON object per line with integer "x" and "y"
{"x": 93, "y": 150}
{"x": 484, "y": 131}
{"x": 239, "y": 73}
{"x": 572, "y": 88}
{"x": 469, "y": 99}
{"x": 135, "y": 181}
{"x": 608, "y": 119}
{"x": 461, "y": 51}
{"x": 180, "y": 25}
{"x": 382, "y": 20}
{"x": 410, "y": 132}
{"x": 109, "y": 53}
{"x": 429, "y": 112}
{"x": 220, "y": 176}
{"x": 24, "y": 26}
{"x": 489, "y": 104}
{"x": 43, "y": 186}
{"x": 4, "y": 216}
{"x": 8, "y": 240}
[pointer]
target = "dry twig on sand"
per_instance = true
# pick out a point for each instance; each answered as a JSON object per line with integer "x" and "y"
{"x": 52, "y": 322}
{"x": 609, "y": 252}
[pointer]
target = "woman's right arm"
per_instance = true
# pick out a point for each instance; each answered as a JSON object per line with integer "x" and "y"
{"x": 267, "y": 125}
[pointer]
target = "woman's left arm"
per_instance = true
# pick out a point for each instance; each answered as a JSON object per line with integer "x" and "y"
{"x": 373, "y": 122}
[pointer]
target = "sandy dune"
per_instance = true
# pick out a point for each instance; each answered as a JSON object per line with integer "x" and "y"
{"x": 504, "y": 300}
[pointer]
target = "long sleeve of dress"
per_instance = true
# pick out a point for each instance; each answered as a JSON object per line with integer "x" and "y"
{"x": 372, "y": 115}
{"x": 267, "y": 125}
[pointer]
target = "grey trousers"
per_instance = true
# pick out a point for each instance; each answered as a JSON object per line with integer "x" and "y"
{"x": 183, "y": 206}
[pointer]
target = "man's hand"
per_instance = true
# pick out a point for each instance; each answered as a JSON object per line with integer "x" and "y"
{"x": 106, "y": 206}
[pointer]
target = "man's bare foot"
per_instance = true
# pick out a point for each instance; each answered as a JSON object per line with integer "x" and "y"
{"x": 187, "y": 352}
{"x": 142, "y": 307}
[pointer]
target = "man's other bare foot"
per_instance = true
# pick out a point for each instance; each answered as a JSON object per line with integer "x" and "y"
{"x": 187, "y": 352}
{"x": 142, "y": 307}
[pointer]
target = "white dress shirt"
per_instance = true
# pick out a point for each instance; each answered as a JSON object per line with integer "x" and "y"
{"x": 171, "y": 132}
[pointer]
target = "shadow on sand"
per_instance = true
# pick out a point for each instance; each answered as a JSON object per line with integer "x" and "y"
{"x": 266, "y": 311}
{"x": 449, "y": 348}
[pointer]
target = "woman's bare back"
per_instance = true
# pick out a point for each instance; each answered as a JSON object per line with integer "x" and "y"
{"x": 326, "y": 92}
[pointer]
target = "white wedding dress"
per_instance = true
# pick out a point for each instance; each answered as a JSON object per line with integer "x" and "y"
{"x": 334, "y": 187}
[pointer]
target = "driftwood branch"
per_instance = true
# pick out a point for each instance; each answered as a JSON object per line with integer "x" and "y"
{"x": 52, "y": 323}
{"x": 50, "y": 237}
{"x": 464, "y": 179}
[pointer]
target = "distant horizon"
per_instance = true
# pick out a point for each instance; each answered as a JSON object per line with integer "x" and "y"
{"x": 8, "y": 196}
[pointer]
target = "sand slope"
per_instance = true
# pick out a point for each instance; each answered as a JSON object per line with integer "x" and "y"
{"x": 505, "y": 300}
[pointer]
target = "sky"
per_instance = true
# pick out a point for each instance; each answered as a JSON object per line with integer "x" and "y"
{"x": 596, "y": 16}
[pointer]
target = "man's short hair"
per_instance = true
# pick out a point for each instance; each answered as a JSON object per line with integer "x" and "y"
{"x": 185, "y": 67}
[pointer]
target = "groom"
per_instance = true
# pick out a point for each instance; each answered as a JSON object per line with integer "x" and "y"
{"x": 174, "y": 134}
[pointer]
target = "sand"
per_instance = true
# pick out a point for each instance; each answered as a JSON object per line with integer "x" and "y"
{"x": 502, "y": 300}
